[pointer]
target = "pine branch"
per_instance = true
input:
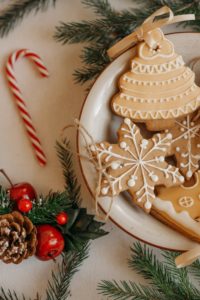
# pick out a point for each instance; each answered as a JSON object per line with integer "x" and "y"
{"x": 195, "y": 269}
{"x": 102, "y": 8}
{"x": 5, "y": 204}
{"x": 111, "y": 26}
{"x": 71, "y": 183}
{"x": 59, "y": 286}
{"x": 145, "y": 262}
{"x": 8, "y": 295}
{"x": 45, "y": 209}
{"x": 181, "y": 275}
{"x": 166, "y": 281}
{"x": 16, "y": 12}
{"x": 128, "y": 291}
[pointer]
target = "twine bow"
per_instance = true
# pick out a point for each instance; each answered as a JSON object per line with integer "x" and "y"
{"x": 142, "y": 33}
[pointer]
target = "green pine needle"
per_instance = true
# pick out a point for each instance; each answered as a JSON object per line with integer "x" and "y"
{"x": 165, "y": 281}
{"x": 12, "y": 295}
{"x": 71, "y": 184}
{"x": 128, "y": 291}
{"x": 16, "y": 12}
{"x": 59, "y": 286}
{"x": 45, "y": 209}
{"x": 110, "y": 26}
{"x": 5, "y": 204}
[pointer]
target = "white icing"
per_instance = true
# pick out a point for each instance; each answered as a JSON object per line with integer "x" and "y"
{"x": 155, "y": 100}
{"x": 144, "y": 144}
{"x": 131, "y": 183}
{"x": 105, "y": 190}
{"x": 183, "y": 218}
{"x": 115, "y": 165}
{"x": 160, "y": 114}
{"x": 139, "y": 164}
{"x": 123, "y": 145}
{"x": 188, "y": 158}
{"x": 158, "y": 52}
{"x": 131, "y": 80}
{"x": 186, "y": 201}
{"x": 139, "y": 68}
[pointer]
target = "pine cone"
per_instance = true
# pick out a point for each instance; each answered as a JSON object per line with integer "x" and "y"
{"x": 18, "y": 238}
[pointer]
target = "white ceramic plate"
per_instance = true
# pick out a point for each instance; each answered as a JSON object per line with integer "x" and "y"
{"x": 101, "y": 123}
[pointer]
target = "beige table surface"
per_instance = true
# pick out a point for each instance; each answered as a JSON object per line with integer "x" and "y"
{"x": 53, "y": 103}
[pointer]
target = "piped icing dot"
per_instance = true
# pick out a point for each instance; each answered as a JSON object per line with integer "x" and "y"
{"x": 144, "y": 143}
{"x": 161, "y": 158}
{"x": 104, "y": 190}
{"x": 147, "y": 205}
{"x": 169, "y": 136}
{"x": 189, "y": 174}
{"x": 131, "y": 182}
{"x": 178, "y": 149}
{"x": 123, "y": 145}
{"x": 127, "y": 121}
{"x": 198, "y": 145}
{"x": 181, "y": 178}
{"x": 154, "y": 178}
{"x": 115, "y": 165}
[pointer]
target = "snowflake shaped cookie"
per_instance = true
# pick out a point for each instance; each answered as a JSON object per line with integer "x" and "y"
{"x": 186, "y": 144}
{"x": 135, "y": 164}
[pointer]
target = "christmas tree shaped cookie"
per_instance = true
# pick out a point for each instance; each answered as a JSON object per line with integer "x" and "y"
{"x": 135, "y": 164}
{"x": 158, "y": 85}
{"x": 179, "y": 207}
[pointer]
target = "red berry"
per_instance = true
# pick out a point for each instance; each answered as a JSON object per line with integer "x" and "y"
{"x": 62, "y": 218}
{"x": 22, "y": 190}
{"x": 24, "y": 205}
{"x": 50, "y": 242}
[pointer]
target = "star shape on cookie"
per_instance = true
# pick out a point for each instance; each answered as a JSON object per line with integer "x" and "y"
{"x": 135, "y": 164}
{"x": 186, "y": 144}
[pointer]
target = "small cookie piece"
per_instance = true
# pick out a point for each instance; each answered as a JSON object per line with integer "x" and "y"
{"x": 186, "y": 144}
{"x": 135, "y": 164}
{"x": 179, "y": 208}
{"x": 158, "y": 85}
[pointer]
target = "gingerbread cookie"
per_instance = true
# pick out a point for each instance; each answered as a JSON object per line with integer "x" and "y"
{"x": 179, "y": 207}
{"x": 158, "y": 86}
{"x": 135, "y": 164}
{"x": 186, "y": 144}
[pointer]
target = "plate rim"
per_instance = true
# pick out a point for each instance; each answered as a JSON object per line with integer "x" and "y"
{"x": 81, "y": 168}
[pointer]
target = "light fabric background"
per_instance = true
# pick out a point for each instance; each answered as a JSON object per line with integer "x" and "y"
{"x": 53, "y": 103}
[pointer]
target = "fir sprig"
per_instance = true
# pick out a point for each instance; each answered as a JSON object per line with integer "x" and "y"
{"x": 59, "y": 286}
{"x": 45, "y": 209}
{"x": 109, "y": 27}
{"x": 16, "y": 12}
{"x": 5, "y": 204}
{"x": 166, "y": 281}
{"x": 79, "y": 230}
{"x": 12, "y": 295}
{"x": 71, "y": 184}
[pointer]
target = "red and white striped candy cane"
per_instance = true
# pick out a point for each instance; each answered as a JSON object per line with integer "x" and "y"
{"x": 20, "y": 101}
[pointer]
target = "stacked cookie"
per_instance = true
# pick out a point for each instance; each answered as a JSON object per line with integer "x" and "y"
{"x": 160, "y": 173}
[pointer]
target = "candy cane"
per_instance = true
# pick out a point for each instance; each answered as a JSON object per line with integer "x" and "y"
{"x": 20, "y": 101}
